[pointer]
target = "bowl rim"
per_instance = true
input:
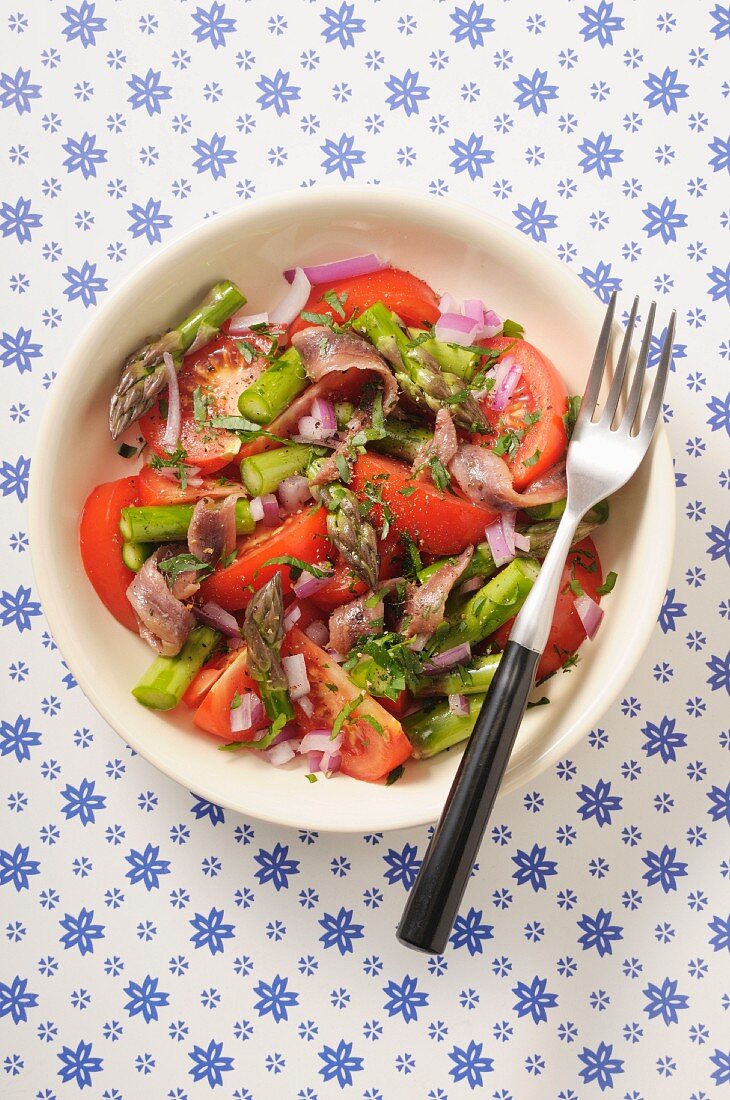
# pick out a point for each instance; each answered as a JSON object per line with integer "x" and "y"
{"x": 357, "y": 198}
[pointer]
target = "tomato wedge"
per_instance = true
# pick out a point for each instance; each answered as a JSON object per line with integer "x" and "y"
{"x": 101, "y": 546}
{"x": 206, "y": 677}
{"x": 221, "y": 373}
{"x": 155, "y": 488}
{"x": 303, "y": 535}
{"x": 369, "y": 751}
{"x": 567, "y": 633}
{"x": 402, "y": 292}
{"x": 439, "y": 523}
{"x": 214, "y": 713}
{"x": 540, "y": 388}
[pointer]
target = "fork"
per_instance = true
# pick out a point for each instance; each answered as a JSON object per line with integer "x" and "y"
{"x": 606, "y": 449}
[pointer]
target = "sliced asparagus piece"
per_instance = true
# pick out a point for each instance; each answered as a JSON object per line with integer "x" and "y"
{"x": 144, "y": 376}
{"x": 352, "y": 534}
{"x": 166, "y": 680}
{"x": 275, "y": 389}
{"x": 484, "y": 612}
{"x": 473, "y": 680}
{"x": 434, "y": 729}
{"x": 135, "y": 554}
{"x": 263, "y": 631}
{"x": 170, "y": 522}
{"x": 262, "y": 473}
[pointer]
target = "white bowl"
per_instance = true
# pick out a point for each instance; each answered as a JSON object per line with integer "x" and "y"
{"x": 456, "y": 249}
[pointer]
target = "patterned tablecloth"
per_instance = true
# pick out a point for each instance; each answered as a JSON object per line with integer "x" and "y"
{"x": 155, "y": 946}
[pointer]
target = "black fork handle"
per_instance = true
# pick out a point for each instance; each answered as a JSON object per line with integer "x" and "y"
{"x": 437, "y": 892}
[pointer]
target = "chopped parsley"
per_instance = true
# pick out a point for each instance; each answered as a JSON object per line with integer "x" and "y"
{"x": 336, "y": 301}
{"x": 571, "y": 414}
{"x": 542, "y": 702}
{"x": 344, "y": 713}
{"x": 374, "y": 497}
{"x": 247, "y": 350}
{"x": 608, "y": 585}
{"x": 513, "y": 329}
{"x": 407, "y": 492}
{"x": 531, "y": 418}
{"x": 394, "y": 776}
{"x": 343, "y": 469}
{"x": 297, "y": 567}
{"x": 247, "y": 429}
{"x": 316, "y": 318}
{"x": 175, "y": 460}
{"x": 310, "y": 777}
{"x": 386, "y": 663}
{"x": 374, "y": 723}
{"x": 184, "y": 563}
{"x": 235, "y": 701}
{"x": 533, "y": 457}
{"x": 439, "y": 473}
{"x": 126, "y": 451}
{"x": 200, "y": 405}
{"x": 509, "y": 442}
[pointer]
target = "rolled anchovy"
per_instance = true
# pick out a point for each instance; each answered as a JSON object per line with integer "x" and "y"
{"x": 352, "y": 534}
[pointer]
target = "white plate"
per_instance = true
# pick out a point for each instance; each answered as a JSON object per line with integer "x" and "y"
{"x": 456, "y": 249}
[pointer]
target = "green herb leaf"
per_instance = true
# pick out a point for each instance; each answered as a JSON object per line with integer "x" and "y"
{"x": 531, "y": 418}
{"x": 608, "y": 585}
{"x": 533, "y": 458}
{"x": 513, "y": 329}
{"x": 509, "y": 443}
{"x": 248, "y": 351}
{"x": 200, "y": 405}
{"x": 439, "y": 473}
{"x": 543, "y": 702}
{"x": 343, "y": 469}
{"x": 310, "y": 777}
{"x": 408, "y": 491}
{"x": 345, "y": 712}
{"x": 336, "y": 301}
{"x": 316, "y": 318}
{"x": 297, "y": 566}
{"x": 126, "y": 451}
{"x": 571, "y": 414}
{"x": 184, "y": 563}
{"x": 394, "y": 776}
{"x": 373, "y": 722}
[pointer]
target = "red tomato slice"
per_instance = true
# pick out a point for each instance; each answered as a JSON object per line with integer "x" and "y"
{"x": 222, "y": 373}
{"x": 100, "y": 543}
{"x": 303, "y": 535}
{"x": 567, "y": 633}
{"x": 540, "y": 387}
{"x": 399, "y": 707}
{"x": 405, "y": 294}
{"x": 206, "y": 677}
{"x": 156, "y": 489}
{"x": 439, "y": 523}
{"x": 214, "y": 713}
{"x": 368, "y": 751}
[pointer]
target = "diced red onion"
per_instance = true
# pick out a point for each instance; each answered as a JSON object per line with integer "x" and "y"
{"x": 318, "y": 632}
{"x": 459, "y": 704}
{"x": 280, "y": 754}
{"x": 471, "y": 585}
{"x": 292, "y": 616}
{"x": 507, "y": 519}
{"x": 290, "y": 732}
{"x": 241, "y": 322}
{"x": 293, "y": 492}
{"x": 314, "y": 759}
{"x": 522, "y": 542}
{"x": 331, "y": 763}
{"x": 247, "y": 714}
{"x": 321, "y": 741}
{"x": 295, "y": 670}
{"x": 324, "y": 411}
{"x": 508, "y": 375}
{"x": 452, "y": 328}
{"x": 172, "y": 430}
{"x": 492, "y": 324}
{"x": 338, "y": 658}
{"x": 450, "y": 657}
{"x": 272, "y": 515}
{"x": 307, "y": 705}
{"x": 591, "y": 614}
{"x": 257, "y": 509}
{"x": 498, "y": 544}
{"x": 294, "y": 301}
{"x": 195, "y": 482}
{"x": 307, "y": 584}
{"x": 214, "y": 615}
{"x": 311, "y": 430}
{"x": 474, "y": 308}
{"x": 340, "y": 269}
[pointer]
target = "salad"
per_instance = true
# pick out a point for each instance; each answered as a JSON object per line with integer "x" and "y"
{"x": 341, "y": 506}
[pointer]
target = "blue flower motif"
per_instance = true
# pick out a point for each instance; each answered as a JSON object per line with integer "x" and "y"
{"x": 213, "y": 156}
{"x": 404, "y": 999}
{"x": 664, "y": 1001}
{"x": 202, "y": 808}
{"x": 19, "y": 220}
{"x": 671, "y": 611}
{"x": 17, "y": 91}
{"x": 18, "y": 738}
{"x": 145, "y": 998}
{"x": 80, "y": 931}
{"x": 600, "y": 24}
{"x": 535, "y": 92}
{"x": 598, "y": 803}
{"x": 403, "y": 866}
{"x": 339, "y": 1064}
{"x": 721, "y": 927}
{"x": 665, "y": 90}
{"x": 470, "y": 1064}
{"x": 342, "y": 25}
{"x": 598, "y": 932}
{"x": 406, "y": 92}
{"x": 601, "y": 281}
{"x": 721, "y": 1059}
{"x": 17, "y": 867}
{"x": 78, "y": 1065}
{"x": 211, "y": 931}
{"x": 534, "y": 220}
{"x": 470, "y": 156}
{"x": 719, "y": 279}
{"x": 720, "y": 803}
{"x": 82, "y": 23}
{"x": 534, "y": 1000}
{"x": 471, "y": 24}
{"x": 83, "y": 155}
{"x": 341, "y": 156}
{"x": 84, "y": 284}
{"x": 471, "y": 932}
{"x": 209, "y": 1063}
{"x": 721, "y": 148}
{"x": 720, "y": 668}
{"x": 275, "y": 999}
{"x": 18, "y": 609}
{"x": 146, "y": 867}
{"x": 148, "y": 221}
{"x": 533, "y": 867}
{"x": 275, "y": 866}
{"x": 600, "y": 155}
{"x": 664, "y": 220}
{"x": 664, "y": 868}
{"x": 277, "y": 92}
{"x": 340, "y": 930}
{"x": 15, "y": 1000}
{"x": 149, "y": 92}
{"x": 213, "y": 25}
{"x": 720, "y": 16}
{"x": 663, "y": 740}
{"x": 82, "y": 802}
{"x": 19, "y": 350}
{"x": 719, "y": 542}
{"x": 600, "y": 1066}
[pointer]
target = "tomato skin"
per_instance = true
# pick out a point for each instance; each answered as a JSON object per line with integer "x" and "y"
{"x": 221, "y": 372}
{"x": 402, "y": 292}
{"x": 540, "y": 387}
{"x": 567, "y": 633}
{"x": 214, "y": 713}
{"x": 100, "y": 542}
{"x": 302, "y": 535}
{"x": 366, "y": 754}
{"x": 399, "y": 707}
{"x": 156, "y": 489}
{"x": 439, "y": 523}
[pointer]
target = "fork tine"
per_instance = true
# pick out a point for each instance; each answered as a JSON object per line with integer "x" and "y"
{"x": 593, "y": 386}
{"x": 660, "y": 382}
{"x": 637, "y": 385}
{"x": 614, "y": 393}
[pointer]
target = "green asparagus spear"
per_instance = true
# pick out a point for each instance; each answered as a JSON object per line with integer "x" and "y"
{"x": 434, "y": 729}
{"x": 263, "y": 631}
{"x": 556, "y": 509}
{"x": 144, "y": 376}
{"x": 275, "y": 389}
{"x": 402, "y": 438}
{"x": 170, "y": 522}
{"x": 490, "y": 607}
{"x": 417, "y": 372}
{"x": 135, "y": 554}
{"x": 473, "y": 680}
{"x": 166, "y": 680}
{"x": 451, "y": 357}
{"x": 352, "y": 534}
{"x": 263, "y": 472}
